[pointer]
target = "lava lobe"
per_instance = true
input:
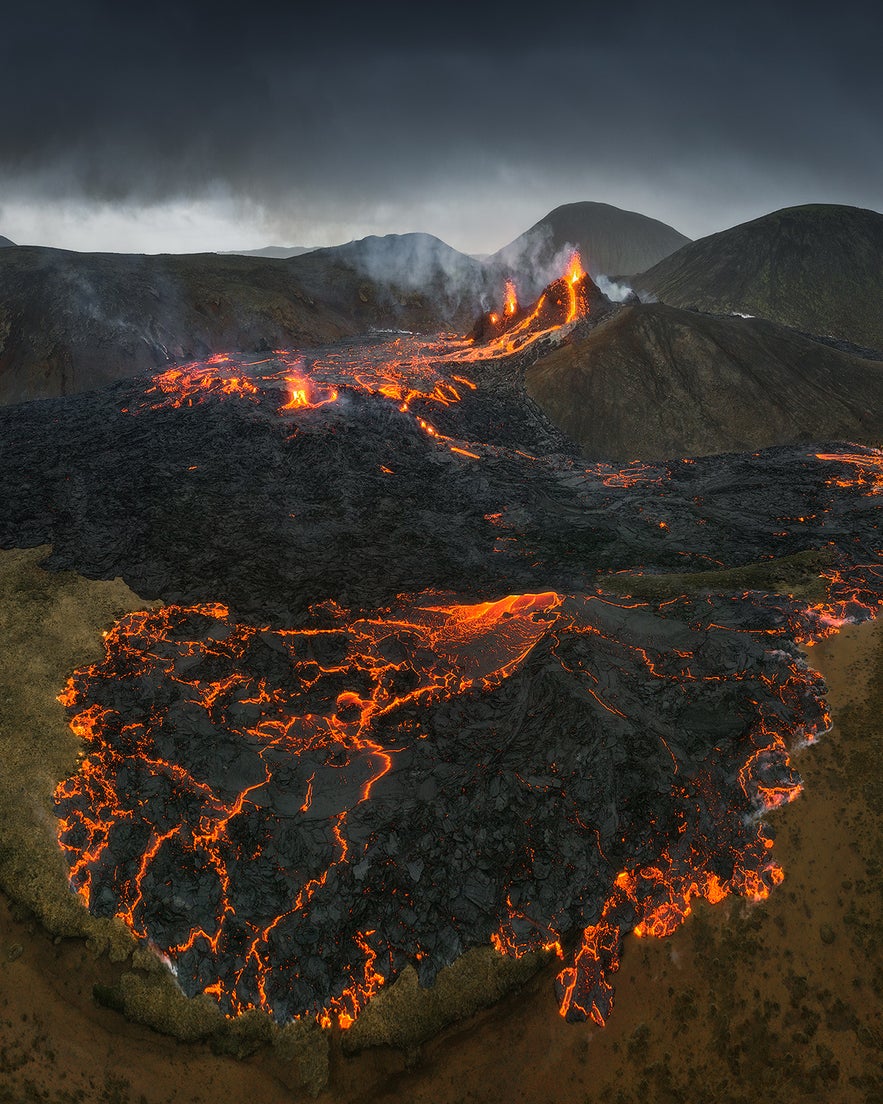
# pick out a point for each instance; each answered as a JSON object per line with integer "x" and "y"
{"x": 291, "y": 816}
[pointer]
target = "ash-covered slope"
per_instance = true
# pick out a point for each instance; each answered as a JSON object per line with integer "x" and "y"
{"x": 654, "y": 382}
{"x": 816, "y": 268}
{"x": 73, "y": 321}
{"x": 611, "y": 241}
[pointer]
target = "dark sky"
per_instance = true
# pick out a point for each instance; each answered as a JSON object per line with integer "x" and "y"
{"x": 159, "y": 126}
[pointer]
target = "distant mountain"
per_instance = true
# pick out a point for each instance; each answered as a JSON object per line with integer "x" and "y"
{"x": 5, "y": 243}
{"x": 817, "y": 268}
{"x": 611, "y": 241}
{"x": 278, "y": 252}
{"x": 656, "y": 382}
{"x": 397, "y": 267}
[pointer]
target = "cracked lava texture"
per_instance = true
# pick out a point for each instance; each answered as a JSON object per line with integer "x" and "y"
{"x": 389, "y": 711}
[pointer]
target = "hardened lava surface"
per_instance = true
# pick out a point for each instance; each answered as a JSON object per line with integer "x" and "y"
{"x": 293, "y": 815}
{"x": 388, "y": 711}
{"x": 372, "y": 471}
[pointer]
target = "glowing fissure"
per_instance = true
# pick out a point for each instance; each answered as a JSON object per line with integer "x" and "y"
{"x": 320, "y": 721}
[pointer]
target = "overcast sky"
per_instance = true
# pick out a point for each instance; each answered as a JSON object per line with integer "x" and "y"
{"x": 182, "y": 127}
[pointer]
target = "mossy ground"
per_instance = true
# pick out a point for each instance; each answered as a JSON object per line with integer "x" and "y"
{"x": 797, "y": 575}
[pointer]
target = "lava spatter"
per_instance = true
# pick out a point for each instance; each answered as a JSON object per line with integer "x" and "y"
{"x": 291, "y": 816}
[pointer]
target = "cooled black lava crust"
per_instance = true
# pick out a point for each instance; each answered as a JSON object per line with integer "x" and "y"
{"x": 300, "y": 792}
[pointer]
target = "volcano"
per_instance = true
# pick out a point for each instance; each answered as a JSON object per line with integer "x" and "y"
{"x": 389, "y": 709}
{"x": 612, "y": 241}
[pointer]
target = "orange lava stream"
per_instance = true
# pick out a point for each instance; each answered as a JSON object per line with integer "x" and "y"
{"x": 476, "y": 645}
{"x": 406, "y": 371}
{"x": 654, "y": 901}
{"x": 868, "y": 469}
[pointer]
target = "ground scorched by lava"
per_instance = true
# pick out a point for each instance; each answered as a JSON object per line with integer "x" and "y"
{"x": 343, "y": 769}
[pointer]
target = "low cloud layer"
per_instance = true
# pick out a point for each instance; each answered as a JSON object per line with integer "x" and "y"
{"x": 310, "y": 128}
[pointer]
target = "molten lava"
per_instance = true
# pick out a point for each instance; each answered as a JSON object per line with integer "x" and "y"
{"x": 292, "y": 799}
{"x": 511, "y": 306}
{"x": 573, "y": 278}
{"x": 274, "y": 773}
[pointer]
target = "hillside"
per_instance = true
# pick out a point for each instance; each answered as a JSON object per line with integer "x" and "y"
{"x": 401, "y": 268}
{"x": 816, "y": 268}
{"x": 5, "y": 243}
{"x": 611, "y": 241}
{"x": 657, "y": 382}
{"x": 73, "y": 321}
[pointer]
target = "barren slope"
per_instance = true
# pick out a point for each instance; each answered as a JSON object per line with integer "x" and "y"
{"x": 658, "y": 382}
{"x": 816, "y": 268}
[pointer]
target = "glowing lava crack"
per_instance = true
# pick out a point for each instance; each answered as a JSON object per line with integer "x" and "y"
{"x": 354, "y": 766}
{"x": 291, "y": 816}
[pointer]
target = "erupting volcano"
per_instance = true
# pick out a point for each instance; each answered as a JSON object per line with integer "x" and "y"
{"x": 514, "y": 329}
{"x": 389, "y": 711}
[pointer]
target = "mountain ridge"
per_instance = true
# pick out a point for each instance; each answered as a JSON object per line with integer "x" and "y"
{"x": 814, "y": 267}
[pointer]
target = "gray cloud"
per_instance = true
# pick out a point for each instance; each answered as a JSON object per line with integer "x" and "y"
{"x": 472, "y": 121}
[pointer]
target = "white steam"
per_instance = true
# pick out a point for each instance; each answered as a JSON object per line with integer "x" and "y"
{"x": 615, "y": 292}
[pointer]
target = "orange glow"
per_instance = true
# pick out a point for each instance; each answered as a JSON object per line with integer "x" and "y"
{"x": 574, "y": 276}
{"x": 473, "y": 647}
{"x": 476, "y": 645}
{"x": 304, "y": 395}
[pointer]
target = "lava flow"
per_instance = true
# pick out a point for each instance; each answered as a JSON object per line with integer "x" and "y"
{"x": 512, "y": 330}
{"x": 408, "y": 370}
{"x": 291, "y": 816}
{"x": 388, "y": 713}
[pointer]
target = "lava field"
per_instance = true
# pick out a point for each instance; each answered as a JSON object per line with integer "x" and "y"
{"x": 388, "y": 710}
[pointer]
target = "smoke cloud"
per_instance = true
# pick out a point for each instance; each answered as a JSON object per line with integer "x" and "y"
{"x": 615, "y": 292}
